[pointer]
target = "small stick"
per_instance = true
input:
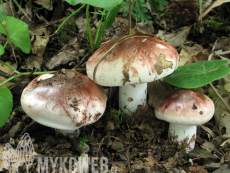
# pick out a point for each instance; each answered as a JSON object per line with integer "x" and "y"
{"x": 220, "y": 97}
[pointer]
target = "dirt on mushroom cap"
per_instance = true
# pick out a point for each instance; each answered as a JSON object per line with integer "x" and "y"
{"x": 72, "y": 96}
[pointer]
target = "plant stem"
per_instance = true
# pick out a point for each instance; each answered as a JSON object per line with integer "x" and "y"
{"x": 68, "y": 18}
{"x": 99, "y": 27}
{"x": 220, "y": 97}
{"x": 24, "y": 74}
{"x": 35, "y": 73}
{"x": 16, "y": 71}
{"x": 27, "y": 76}
{"x": 89, "y": 30}
{"x": 130, "y": 14}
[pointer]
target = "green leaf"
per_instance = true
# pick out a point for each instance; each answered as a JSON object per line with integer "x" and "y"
{"x": 106, "y": 4}
{"x": 126, "y": 5}
{"x": 2, "y": 50}
{"x": 18, "y": 32}
{"x": 157, "y": 5}
{"x": 108, "y": 22}
{"x": 198, "y": 74}
{"x": 6, "y": 105}
{"x": 200, "y": 3}
{"x": 140, "y": 11}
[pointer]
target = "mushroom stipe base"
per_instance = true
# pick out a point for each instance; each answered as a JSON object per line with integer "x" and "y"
{"x": 184, "y": 135}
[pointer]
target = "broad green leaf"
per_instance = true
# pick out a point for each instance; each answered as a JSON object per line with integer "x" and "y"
{"x": 2, "y": 50}
{"x": 18, "y": 32}
{"x": 106, "y": 4}
{"x": 108, "y": 22}
{"x": 6, "y": 105}
{"x": 157, "y": 5}
{"x": 126, "y": 5}
{"x": 2, "y": 30}
{"x": 198, "y": 74}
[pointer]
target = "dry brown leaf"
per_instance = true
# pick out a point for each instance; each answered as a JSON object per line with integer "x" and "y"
{"x": 1, "y": 160}
{"x": 7, "y": 9}
{"x": 177, "y": 38}
{"x": 205, "y": 5}
{"x": 9, "y": 71}
{"x": 208, "y": 130}
{"x": 198, "y": 169}
{"x": 81, "y": 23}
{"x": 118, "y": 167}
{"x": 227, "y": 87}
{"x": 222, "y": 47}
{"x": 145, "y": 28}
{"x": 39, "y": 45}
{"x": 221, "y": 52}
{"x": 150, "y": 161}
{"x": 68, "y": 54}
{"x": 208, "y": 146}
{"x": 46, "y": 4}
{"x": 221, "y": 115}
{"x": 172, "y": 162}
{"x": 194, "y": 53}
{"x": 214, "y": 5}
{"x": 223, "y": 44}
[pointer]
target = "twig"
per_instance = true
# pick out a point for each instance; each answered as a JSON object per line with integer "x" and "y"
{"x": 82, "y": 60}
{"x": 128, "y": 160}
{"x": 6, "y": 75}
{"x": 22, "y": 79}
{"x": 214, "y": 89}
{"x": 100, "y": 144}
{"x": 221, "y": 98}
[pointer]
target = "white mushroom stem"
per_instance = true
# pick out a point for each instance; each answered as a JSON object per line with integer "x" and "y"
{"x": 183, "y": 134}
{"x": 131, "y": 96}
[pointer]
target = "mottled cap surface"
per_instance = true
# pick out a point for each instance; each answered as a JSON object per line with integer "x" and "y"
{"x": 186, "y": 108}
{"x": 139, "y": 58}
{"x": 65, "y": 100}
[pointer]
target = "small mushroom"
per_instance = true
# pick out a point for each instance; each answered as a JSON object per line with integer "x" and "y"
{"x": 184, "y": 110}
{"x": 66, "y": 100}
{"x": 131, "y": 64}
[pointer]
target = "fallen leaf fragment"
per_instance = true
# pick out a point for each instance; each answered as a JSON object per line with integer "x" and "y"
{"x": 208, "y": 146}
{"x": 198, "y": 169}
{"x": 214, "y": 5}
{"x": 176, "y": 38}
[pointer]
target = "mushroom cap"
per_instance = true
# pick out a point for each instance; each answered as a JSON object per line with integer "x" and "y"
{"x": 139, "y": 58}
{"x": 185, "y": 108}
{"x": 65, "y": 101}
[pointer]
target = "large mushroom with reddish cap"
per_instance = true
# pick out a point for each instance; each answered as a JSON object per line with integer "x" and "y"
{"x": 133, "y": 62}
{"x": 66, "y": 100}
{"x": 184, "y": 110}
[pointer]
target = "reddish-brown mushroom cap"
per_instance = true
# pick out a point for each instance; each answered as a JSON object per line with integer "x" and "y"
{"x": 138, "y": 59}
{"x": 186, "y": 108}
{"x": 64, "y": 101}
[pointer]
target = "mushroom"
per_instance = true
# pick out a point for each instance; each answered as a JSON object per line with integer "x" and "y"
{"x": 66, "y": 100}
{"x": 184, "y": 110}
{"x": 131, "y": 64}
